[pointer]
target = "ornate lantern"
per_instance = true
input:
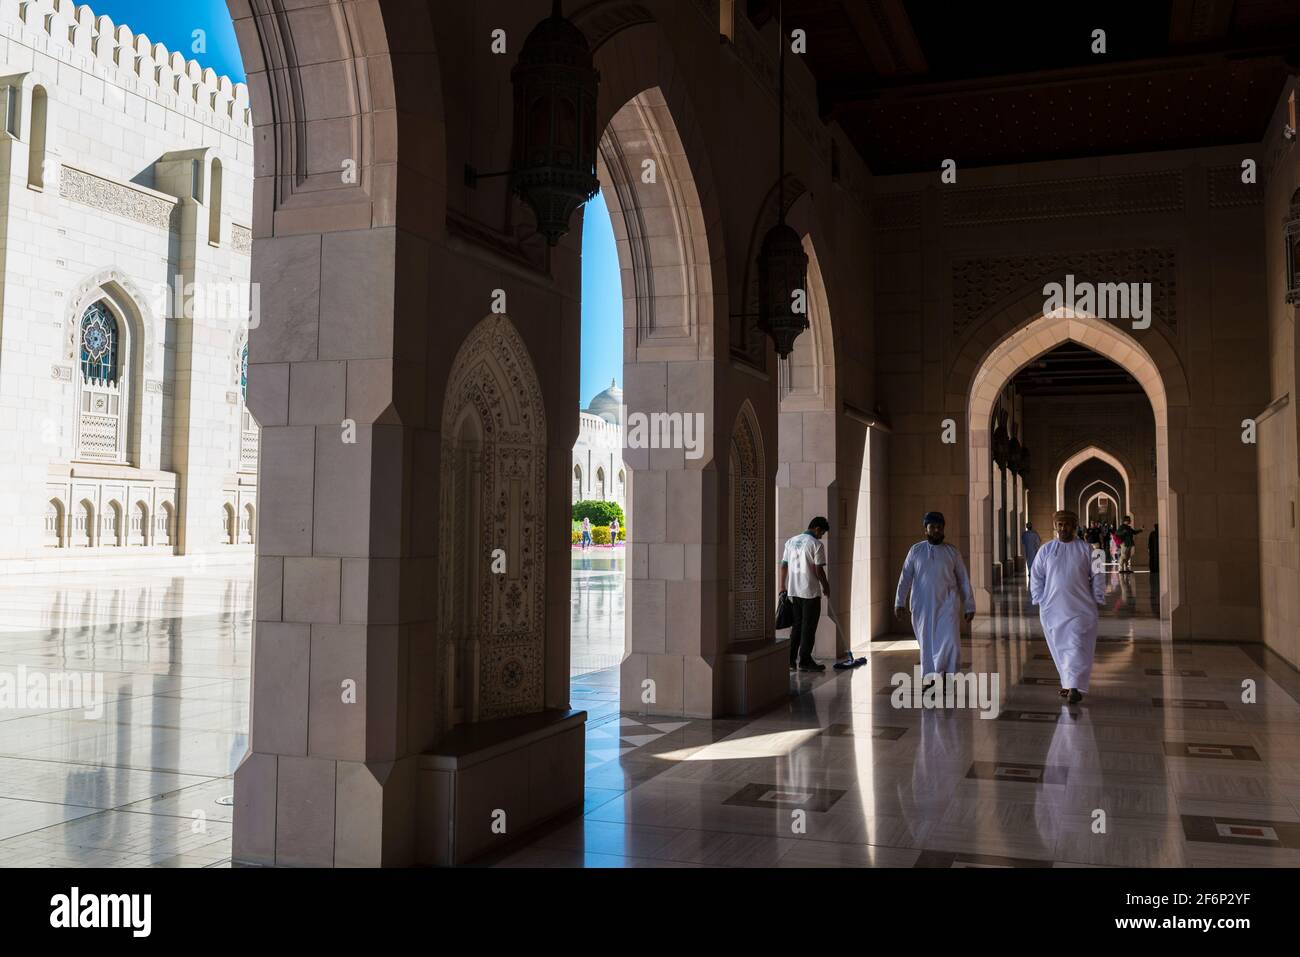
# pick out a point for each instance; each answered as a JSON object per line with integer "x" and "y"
{"x": 1000, "y": 443}
{"x": 1291, "y": 235}
{"x": 782, "y": 263}
{"x": 1014, "y": 450}
{"x": 782, "y": 269}
{"x": 554, "y": 164}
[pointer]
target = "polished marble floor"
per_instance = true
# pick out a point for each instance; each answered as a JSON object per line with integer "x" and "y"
{"x": 596, "y": 616}
{"x": 118, "y": 742}
{"x": 1170, "y": 761}
{"x": 1184, "y": 771}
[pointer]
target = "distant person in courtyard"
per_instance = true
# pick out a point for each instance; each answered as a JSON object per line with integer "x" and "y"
{"x": 1029, "y": 543}
{"x": 1127, "y": 537}
{"x": 803, "y": 581}
{"x": 1068, "y": 584}
{"x": 613, "y": 531}
{"x": 934, "y": 578}
{"x": 586, "y": 531}
{"x": 1153, "y": 550}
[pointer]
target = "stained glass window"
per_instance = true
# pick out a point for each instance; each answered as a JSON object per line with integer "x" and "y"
{"x": 99, "y": 335}
{"x": 243, "y": 372}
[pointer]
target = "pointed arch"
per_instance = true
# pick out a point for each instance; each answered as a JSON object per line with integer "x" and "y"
{"x": 493, "y": 482}
{"x": 994, "y": 362}
{"x": 1083, "y": 455}
{"x": 1109, "y": 490}
{"x": 1099, "y": 496}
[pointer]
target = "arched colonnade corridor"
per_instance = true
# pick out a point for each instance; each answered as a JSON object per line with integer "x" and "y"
{"x": 424, "y": 306}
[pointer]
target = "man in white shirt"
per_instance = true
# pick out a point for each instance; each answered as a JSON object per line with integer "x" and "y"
{"x": 803, "y": 579}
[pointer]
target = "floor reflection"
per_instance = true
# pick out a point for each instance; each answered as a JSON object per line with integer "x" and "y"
{"x": 1163, "y": 764}
{"x": 596, "y": 618}
{"x": 139, "y": 777}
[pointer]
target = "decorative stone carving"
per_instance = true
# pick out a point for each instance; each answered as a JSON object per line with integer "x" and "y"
{"x": 897, "y": 211}
{"x": 1226, "y": 188}
{"x": 116, "y": 198}
{"x": 981, "y": 283}
{"x": 493, "y": 496}
{"x": 97, "y": 287}
{"x": 154, "y": 386}
{"x": 241, "y": 239}
{"x": 748, "y": 619}
{"x": 61, "y": 373}
{"x": 1064, "y": 198}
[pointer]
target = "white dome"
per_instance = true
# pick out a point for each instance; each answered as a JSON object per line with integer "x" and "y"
{"x": 608, "y": 404}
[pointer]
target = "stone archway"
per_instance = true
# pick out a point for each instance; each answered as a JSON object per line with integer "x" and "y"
{"x": 342, "y": 231}
{"x": 674, "y": 290}
{"x": 1085, "y": 512}
{"x": 1105, "y": 489}
{"x": 1083, "y": 455}
{"x": 997, "y": 351}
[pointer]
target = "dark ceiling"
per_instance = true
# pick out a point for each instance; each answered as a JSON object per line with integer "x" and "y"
{"x": 915, "y": 82}
{"x": 1074, "y": 370}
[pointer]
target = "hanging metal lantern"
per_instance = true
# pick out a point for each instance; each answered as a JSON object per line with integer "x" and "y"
{"x": 782, "y": 263}
{"x": 1013, "y": 455}
{"x": 1000, "y": 443}
{"x": 1291, "y": 235}
{"x": 554, "y": 164}
{"x": 782, "y": 274}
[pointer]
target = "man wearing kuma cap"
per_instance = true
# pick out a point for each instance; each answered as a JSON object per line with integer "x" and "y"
{"x": 935, "y": 578}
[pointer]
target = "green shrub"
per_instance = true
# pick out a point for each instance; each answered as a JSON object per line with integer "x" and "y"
{"x": 577, "y": 537}
{"x": 600, "y": 535}
{"x": 600, "y": 513}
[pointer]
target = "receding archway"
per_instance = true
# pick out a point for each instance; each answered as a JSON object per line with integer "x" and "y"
{"x": 1083, "y": 455}
{"x": 995, "y": 358}
{"x": 1095, "y": 488}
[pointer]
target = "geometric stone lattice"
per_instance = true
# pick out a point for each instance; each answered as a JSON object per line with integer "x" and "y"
{"x": 492, "y": 622}
{"x": 747, "y": 519}
{"x": 979, "y": 284}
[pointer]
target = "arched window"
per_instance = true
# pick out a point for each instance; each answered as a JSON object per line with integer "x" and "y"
{"x": 140, "y": 524}
{"x": 165, "y": 523}
{"x": 622, "y": 485}
{"x": 104, "y": 387}
{"x": 214, "y": 205}
{"x": 99, "y": 344}
{"x": 247, "y": 427}
{"x": 112, "y": 524}
{"x": 54, "y": 523}
{"x": 228, "y": 524}
{"x": 86, "y": 524}
{"x": 36, "y": 140}
{"x": 577, "y": 483}
{"x": 600, "y": 484}
{"x": 250, "y": 518}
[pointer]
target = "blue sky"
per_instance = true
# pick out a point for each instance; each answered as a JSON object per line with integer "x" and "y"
{"x": 173, "y": 22}
{"x": 602, "y": 302}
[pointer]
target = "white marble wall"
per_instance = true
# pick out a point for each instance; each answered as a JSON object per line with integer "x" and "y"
{"x": 113, "y": 214}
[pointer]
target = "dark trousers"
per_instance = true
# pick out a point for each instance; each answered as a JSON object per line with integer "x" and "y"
{"x": 807, "y": 612}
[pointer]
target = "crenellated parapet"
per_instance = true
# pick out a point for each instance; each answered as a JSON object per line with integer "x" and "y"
{"x": 131, "y": 61}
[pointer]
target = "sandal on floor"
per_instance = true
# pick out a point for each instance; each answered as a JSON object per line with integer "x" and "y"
{"x": 1075, "y": 696}
{"x": 1064, "y": 692}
